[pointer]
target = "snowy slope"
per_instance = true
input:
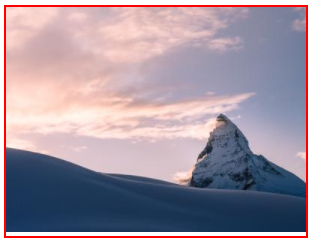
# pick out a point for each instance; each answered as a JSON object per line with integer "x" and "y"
{"x": 48, "y": 194}
{"x": 227, "y": 162}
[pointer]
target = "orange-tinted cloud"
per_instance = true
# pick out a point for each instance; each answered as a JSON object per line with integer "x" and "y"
{"x": 71, "y": 70}
{"x": 301, "y": 155}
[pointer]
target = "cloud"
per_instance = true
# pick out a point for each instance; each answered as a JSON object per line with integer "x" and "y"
{"x": 210, "y": 93}
{"x": 78, "y": 16}
{"x": 18, "y": 143}
{"x": 77, "y": 71}
{"x": 24, "y": 23}
{"x": 124, "y": 119}
{"x": 225, "y": 44}
{"x": 154, "y": 31}
{"x": 183, "y": 178}
{"x": 23, "y": 144}
{"x": 129, "y": 34}
{"x": 301, "y": 155}
{"x": 75, "y": 149}
{"x": 300, "y": 24}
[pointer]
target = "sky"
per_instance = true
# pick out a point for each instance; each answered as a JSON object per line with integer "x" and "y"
{"x": 137, "y": 90}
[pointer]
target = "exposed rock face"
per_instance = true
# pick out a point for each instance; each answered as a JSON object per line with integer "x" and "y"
{"x": 228, "y": 163}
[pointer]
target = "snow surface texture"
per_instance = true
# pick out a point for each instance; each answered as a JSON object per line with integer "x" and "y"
{"x": 48, "y": 194}
{"x": 228, "y": 163}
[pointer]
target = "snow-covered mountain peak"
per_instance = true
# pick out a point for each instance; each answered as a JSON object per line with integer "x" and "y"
{"x": 226, "y": 139}
{"x": 227, "y": 162}
{"x": 223, "y": 118}
{"x": 224, "y": 126}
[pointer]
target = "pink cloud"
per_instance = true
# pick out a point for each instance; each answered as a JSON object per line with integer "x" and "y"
{"x": 123, "y": 119}
{"x": 301, "y": 155}
{"x": 225, "y": 44}
{"x": 71, "y": 71}
{"x": 147, "y": 31}
{"x": 24, "y": 23}
{"x": 23, "y": 144}
{"x": 153, "y": 31}
{"x": 300, "y": 24}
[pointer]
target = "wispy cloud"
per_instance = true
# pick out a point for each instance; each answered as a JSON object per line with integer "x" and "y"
{"x": 19, "y": 143}
{"x": 183, "y": 178}
{"x": 124, "y": 119}
{"x": 225, "y": 44}
{"x": 75, "y": 149}
{"x": 300, "y": 24}
{"x": 23, "y": 144}
{"x": 76, "y": 70}
{"x": 301, "y": 155}
{"x": 153, "y": 31}
{"x": 128, "y": 34}
{"x": 24, "y": 23}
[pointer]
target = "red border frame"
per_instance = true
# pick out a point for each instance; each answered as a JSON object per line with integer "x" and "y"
{"x": 5, "y": 6}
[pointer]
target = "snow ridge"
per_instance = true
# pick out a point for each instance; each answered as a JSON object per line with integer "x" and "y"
{"x": 227, "y": 162}
{"x": 47, "y": 194}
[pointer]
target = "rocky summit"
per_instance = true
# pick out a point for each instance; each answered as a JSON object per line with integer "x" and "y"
{"x": 227, "y": 162}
